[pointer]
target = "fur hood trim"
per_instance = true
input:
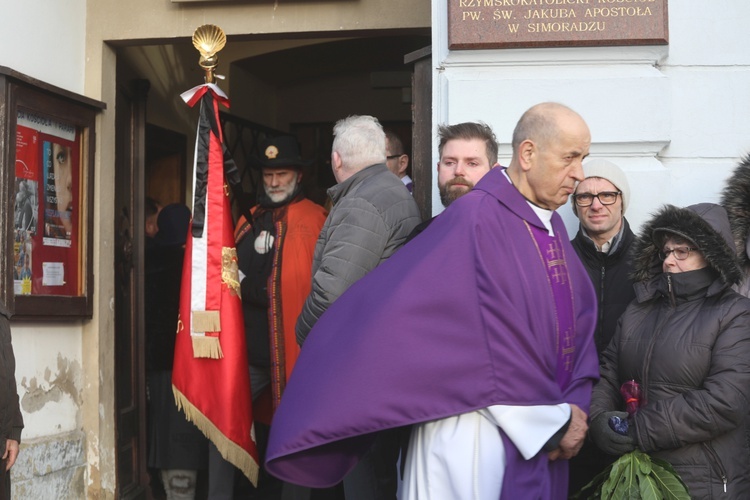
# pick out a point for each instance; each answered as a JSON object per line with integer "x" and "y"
{"x": 736, "y": 200}
{"x": 705, "y": 224}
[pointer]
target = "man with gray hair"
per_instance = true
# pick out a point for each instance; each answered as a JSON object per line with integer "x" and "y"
{"x": 371, "y": 217}
{"x": 603, "y": 244}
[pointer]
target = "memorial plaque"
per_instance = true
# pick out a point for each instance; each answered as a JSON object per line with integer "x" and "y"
{"x": 492, "y": 24}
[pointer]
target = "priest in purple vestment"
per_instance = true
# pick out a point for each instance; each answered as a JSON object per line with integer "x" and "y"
{"x": 485, "y": 320}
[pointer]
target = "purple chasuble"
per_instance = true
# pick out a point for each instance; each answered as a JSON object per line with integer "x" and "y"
{"x": 461, "y": 318}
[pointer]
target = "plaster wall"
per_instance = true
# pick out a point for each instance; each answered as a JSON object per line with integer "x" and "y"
{"x": 672, "y": 116}
{"x": 46, "y": 40}
{"x": 144, "y": 19}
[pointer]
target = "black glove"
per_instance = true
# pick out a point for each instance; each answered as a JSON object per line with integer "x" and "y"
{"x": 607, "y": 439}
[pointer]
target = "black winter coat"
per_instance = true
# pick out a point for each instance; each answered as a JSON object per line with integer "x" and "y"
{"x": 163, "y": 278}
{"x": 686, "y": 340}
{"x": 11, "y": 421}
{"x": 610, "y": 274}
{"x": 735, "y": 198}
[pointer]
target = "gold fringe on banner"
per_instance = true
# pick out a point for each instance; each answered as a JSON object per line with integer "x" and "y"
{"x": 206, "y": 321}
{"x": 206, "y": 347}
{"x": 230, "y": 450}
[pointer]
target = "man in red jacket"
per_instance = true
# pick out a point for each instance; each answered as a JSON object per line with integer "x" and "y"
{"x": 275, "y": 251}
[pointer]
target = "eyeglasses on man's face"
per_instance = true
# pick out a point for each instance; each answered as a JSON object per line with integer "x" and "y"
{"x": 391, "y": 157}
{"x": 680, "y": 253}
{"x": 605, "y": 198}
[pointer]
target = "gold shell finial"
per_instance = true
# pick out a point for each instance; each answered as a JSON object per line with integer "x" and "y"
{"x": 209, "y": 39}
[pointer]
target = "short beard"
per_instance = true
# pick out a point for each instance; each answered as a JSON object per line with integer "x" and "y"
{"x": 284, "y": 196}
{"x": 447, "y": 196}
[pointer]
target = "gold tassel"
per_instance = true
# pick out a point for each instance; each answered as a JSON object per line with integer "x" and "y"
{"x": 230, "y": 450}
{"x": 206, "y": 321}
{"x": 206, "y": 347}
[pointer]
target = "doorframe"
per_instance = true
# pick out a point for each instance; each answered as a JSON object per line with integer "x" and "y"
{"x": 129, "y": 281}
{"x": 421, "y": 142}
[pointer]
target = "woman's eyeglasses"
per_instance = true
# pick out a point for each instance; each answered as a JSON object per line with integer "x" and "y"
{"x": 680, "y": 253}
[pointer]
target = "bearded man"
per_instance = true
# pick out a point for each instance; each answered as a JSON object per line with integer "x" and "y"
{"x": 275, "y": 251}
{"x": 467, "y": 151}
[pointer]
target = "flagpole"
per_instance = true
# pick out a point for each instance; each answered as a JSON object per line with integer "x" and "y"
{"x": 210, "y": 379}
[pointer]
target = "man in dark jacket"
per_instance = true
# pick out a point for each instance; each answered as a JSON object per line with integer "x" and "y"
{"x": 603, "y": 241}
{"x": 603, "y": 244}
{"x": 11, "y": 421}
{"x": 371, "y": 217}
{"x": 396, "y": 160}
{"x": 176, "y": 448}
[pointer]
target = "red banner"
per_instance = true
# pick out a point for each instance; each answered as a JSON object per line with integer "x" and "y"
{"x": 210, "y": 379}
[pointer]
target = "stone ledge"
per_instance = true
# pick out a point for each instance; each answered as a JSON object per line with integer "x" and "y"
{"x": 50, "y": 467}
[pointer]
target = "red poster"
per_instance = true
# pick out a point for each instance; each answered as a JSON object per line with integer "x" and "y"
{"x": 47, "y": 208}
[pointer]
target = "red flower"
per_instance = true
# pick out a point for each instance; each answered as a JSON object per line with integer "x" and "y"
{"x": 633, "y": 395}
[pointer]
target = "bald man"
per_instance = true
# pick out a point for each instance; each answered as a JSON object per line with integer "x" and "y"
{"x": 479, "y": 333}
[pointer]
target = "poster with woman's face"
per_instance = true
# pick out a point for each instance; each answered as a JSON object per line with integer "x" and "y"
{"x": 58, "y": 192}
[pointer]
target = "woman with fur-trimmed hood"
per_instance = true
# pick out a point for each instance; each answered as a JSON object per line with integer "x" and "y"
{"x": 736, "y": 200}
{"x": 686, "y": 340}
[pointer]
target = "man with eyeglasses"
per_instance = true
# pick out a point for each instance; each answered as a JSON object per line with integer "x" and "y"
{"x": 396, "y": 160}
{"x": 603, "y": 244}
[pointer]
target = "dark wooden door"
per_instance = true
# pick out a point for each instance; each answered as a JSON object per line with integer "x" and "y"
{"x": 132, "y": 475}
{"x": 421, "y": 145}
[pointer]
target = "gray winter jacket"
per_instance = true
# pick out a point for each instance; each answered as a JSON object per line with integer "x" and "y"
{"x": 686, "y": 341}
{"x": 372, "y": 215}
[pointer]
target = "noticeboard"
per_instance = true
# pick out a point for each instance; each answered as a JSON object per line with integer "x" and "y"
{"x": 49, "y": 198}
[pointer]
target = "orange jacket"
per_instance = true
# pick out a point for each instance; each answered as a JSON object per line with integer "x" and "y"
{"x": 289, "y": 283}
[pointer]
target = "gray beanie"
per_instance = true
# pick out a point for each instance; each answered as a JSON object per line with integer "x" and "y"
{"x": 611, "y": 172}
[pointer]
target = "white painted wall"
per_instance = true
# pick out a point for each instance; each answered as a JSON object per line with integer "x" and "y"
{"x": 676, "y": 117}
{"x": 48, "y": 373}
{"x": 46, "y": 40}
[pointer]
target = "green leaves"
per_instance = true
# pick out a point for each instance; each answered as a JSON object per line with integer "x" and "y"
{"x": 669, "y": 482}
{"x": 636, "y": 475}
